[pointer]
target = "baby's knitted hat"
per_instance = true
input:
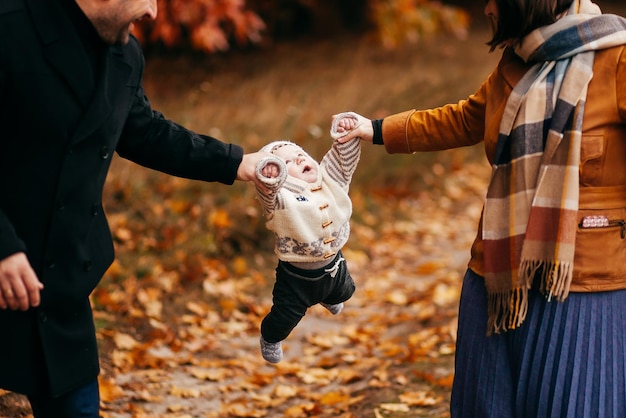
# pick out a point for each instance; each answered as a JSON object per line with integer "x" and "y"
{"x": 273, "y": 146}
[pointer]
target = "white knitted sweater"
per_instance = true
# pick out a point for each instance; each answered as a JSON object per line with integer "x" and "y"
{"x": 311, "y": 221}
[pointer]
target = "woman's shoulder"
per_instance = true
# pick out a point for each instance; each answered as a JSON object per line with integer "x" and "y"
{"x": 511, "y": 67}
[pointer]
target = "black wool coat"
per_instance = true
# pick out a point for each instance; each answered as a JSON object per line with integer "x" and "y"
{"x": 56, "y": 144}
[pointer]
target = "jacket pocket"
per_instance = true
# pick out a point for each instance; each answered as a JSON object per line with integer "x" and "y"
{"x": 591, "y": 159}
{"x": 600, "y": 253}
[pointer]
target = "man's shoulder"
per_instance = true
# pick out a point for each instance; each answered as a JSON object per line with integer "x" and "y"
{"x": 8, "y": 6}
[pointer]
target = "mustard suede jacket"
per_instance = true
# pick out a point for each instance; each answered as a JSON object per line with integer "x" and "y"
{"x": 600, "y": 256}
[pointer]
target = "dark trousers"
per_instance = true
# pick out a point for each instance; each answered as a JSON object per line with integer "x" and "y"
{"x": 82, "y": 402}
{"x": 295, "y": 290}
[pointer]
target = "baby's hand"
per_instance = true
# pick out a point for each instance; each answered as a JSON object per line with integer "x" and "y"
{"x": 346, "y": 124}
{"x": 270, "y": 170}
{"x": 342, "y": 124}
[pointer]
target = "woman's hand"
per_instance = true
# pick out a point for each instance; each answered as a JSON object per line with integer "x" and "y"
{"x": 356, "y": 126}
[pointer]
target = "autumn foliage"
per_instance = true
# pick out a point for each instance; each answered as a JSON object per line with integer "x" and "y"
{"x": 208, "y": 25}
{"x": 218, "y": 25}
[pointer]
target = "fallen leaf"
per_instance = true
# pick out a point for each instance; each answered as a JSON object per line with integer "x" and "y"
{"x": 184, "y": 392}
{"x": 124, "y": 341}
{"x": 421, "y": 398}
{"x": 395, "y": 407}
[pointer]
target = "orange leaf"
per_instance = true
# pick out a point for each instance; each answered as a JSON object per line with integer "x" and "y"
{"x": 334, "y": 398}
{"x": 220, "y": 219}
{"x": 109, "y": 390}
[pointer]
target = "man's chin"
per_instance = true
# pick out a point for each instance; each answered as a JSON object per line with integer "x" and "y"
{"x": 124, "y": 36}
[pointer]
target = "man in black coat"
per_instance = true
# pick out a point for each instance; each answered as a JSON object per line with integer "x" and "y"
{"x": 70, "y": 95}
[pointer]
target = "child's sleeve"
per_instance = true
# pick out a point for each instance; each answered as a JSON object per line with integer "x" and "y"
{"x": 273, "y": 184}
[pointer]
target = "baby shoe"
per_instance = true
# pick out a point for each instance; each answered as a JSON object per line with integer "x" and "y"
{"x": 333, "y": 309}
{"x": 272, "y": 352}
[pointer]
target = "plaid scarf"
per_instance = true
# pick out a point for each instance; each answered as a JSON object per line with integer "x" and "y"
{"x": 529, "y": 220}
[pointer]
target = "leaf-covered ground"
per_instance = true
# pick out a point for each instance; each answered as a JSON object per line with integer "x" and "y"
{"x": 389, "y": 353}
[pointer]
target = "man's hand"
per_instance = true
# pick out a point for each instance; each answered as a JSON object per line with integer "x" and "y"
{"x": 247, "y": 168}
{"x": 19, "y": 285}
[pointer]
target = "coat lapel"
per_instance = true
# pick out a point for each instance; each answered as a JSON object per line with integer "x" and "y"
{"x": 66, "y": 54}
{"x": 114, "y": 77}
{"x": 62, "y": 47}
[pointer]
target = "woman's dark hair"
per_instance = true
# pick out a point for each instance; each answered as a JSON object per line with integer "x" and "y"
{"x": 517, "y": 18}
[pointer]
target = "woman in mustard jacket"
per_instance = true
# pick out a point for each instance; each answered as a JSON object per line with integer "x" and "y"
{"x": 542, "y": 317}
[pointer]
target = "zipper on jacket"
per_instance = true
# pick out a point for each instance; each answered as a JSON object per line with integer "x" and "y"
{"x": 601, "y": 221}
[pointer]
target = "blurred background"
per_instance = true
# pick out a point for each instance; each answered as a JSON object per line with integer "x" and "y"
{"x": 256, "y": 71}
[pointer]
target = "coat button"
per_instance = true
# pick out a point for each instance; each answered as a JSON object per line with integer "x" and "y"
{"x": 95, "y": 210}
{"x": 104, "y": 152}
{"x": 87, "y": 265}
{"x": 42, "y": 317}
{"x": 50, "y": 264}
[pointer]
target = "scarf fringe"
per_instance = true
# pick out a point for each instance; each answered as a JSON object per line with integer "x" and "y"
{"x": 556, "y": 278}
{"x": 507, "y": 310}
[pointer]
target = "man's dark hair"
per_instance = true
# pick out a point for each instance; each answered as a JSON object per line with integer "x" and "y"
{"x": 517, "y": 18}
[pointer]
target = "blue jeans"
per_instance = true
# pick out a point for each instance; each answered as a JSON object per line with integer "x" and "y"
{"x": 82, "y": 402}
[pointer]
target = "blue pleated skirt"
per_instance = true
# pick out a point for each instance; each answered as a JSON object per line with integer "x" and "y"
{"x": 567, "y": 359}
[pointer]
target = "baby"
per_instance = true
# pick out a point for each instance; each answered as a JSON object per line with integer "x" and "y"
{"x": 308, "y": 208}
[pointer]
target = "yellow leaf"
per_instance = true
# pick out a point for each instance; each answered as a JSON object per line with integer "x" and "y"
{"x": 445, "y": 294}
{"x": 302, "y": 411}
{"x": 213, "y": 375}
{"x": 151, "y": 300}
{"x": 184, "y": 392}
{"x": 328, "y": 340}
{"x": 196, "y": 308}
{"x": 397, "y": 297}
{"x": 283, "y": 391}
{"x": 395, "y": 407}
{"x": 124, "y": 341}
{"x": 349, "y": 376}
{"x": 421, "y": 398}
{"x": 316, "y": 376}
{"x": 123, "y": 234}
{"x": 243, "y": 411}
